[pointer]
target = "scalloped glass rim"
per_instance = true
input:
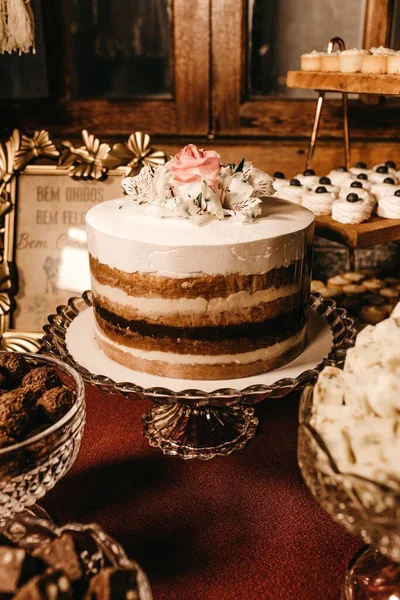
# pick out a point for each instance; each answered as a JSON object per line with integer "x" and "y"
{"x": 342, "y": 326}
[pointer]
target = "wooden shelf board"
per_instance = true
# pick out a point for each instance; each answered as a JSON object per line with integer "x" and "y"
{"x": 362, "y": 235}
{"x": 357, "y": 83}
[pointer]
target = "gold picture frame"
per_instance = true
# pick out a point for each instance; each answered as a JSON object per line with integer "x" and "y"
{"x": 41, "y": 186}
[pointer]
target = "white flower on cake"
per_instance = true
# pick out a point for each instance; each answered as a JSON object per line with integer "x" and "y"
{"x": 194, "y": 185}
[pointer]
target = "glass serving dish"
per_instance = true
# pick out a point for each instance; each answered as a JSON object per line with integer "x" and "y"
{"x": 29, "y": 469}
{"x": 365, "y": 508}
{"x": 97, "y": 550}
{"x": 193, "y": 423}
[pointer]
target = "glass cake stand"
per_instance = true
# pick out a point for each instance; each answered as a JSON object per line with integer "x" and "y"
{"x": 365, "y": 508}
{"x": 193, "y": 423}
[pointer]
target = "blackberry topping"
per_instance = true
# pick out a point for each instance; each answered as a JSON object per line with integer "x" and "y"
{"x": 352, "y": 198}
{"x": 356, "y": 184}
{"x": 279, "y": 175}
{"x": 363, "y": 176}
{"x": 389, "y": 180}
{"x": 321, "y": 190}
{"x": 295, "y": 182}
{"x": 397, "y": 193}
{"x": 325, "y": 180}
{"x": 382, "y": 169}
{"x": 308, "y": 172}
{"x": 390, "y": 164}
{"x": 361, "y": 165}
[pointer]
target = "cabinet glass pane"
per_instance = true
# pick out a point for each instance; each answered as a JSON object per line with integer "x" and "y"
{"x": 281, "y": 30}
{"x": 120, "y": 48}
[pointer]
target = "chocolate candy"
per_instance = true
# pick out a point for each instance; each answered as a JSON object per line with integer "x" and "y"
{"x": 397, "y": 193}
{"x": 116, "y": 584}
{"x": 389, "y": 180}
{"x": 52, "y": 585}
{"x": 363, "y": 176}
{"x": 295, "y": 182}
{"x": 13, "y": 367}
{"x": 321, "y": 190}
{"x": 361, "y": 165}
{"x": 279, "y": 175}
{"x": 41, "y": 379}
{"x": 61, "y": 553}
{"x": 55, "y": 403}
{"x": 325, "y": 180}
{"x": 356, "y": 184}
{"x": 382, "y": 169}
{"x": 308, "y": 172}
{"x": 17, "y": 413}
{"x": 390, "y": 164}
{"x": 352, "y": 198}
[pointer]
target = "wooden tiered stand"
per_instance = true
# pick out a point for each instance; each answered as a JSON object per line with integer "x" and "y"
{"x": 376, "y": 230}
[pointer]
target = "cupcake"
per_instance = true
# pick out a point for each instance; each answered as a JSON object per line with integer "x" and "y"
{"x": 319, "y": 202}
{"x": 351, "y": 60}
{"x": 330, "y": 62}
{"x": 380, "y": 173}
{"x": 356, "y": 187}
{"x": 351, "y": 210}
{"x": 280, "y": 180}
{"x": 310, "y": 61}
{"x": 391, "y": 167}
{"x": 308, "y": 178}
{"x": 326, "y": 182}
{"x": 360, "y": 168}
{"x": 389, "y": 206}
{"x": 340, "y": 176}
{"x": 393, "y": 63}
{"x": 367, "y": 185}
{"x": 293, "y": 192}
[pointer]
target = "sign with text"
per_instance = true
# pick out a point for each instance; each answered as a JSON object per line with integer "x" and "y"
{"x": 50, "y": 239}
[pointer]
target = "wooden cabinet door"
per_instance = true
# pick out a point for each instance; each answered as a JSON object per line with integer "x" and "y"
{"x": 115, "y": 66}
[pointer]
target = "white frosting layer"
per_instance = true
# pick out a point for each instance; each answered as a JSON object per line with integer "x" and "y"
{"x": 176, "y": 247}
{"x": 340, "y": 177}
{"x": 389, "y": 207}
{"x": 376, "y": 177}
{"x": 278, "y": 183}
{"x": 307, "y": 180}
{"x": 351, "y": 212}
{"x": 383, "y": 189}
{"x": 361, "y": 193}
{"x": 242, "y": 358}
{"x": 320, "y": 204}
{"x": 391, "y": 172}
{"x": 159, "y": 307}
{"x": 333, "y": 189}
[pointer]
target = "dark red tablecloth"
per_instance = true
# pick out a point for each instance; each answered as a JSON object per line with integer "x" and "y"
{"x": 241, "y": 527}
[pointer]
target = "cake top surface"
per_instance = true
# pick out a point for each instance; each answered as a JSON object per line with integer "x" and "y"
{"x": 119, "y": 218}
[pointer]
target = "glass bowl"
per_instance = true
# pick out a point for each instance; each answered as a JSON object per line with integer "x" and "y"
{"x": 30, "y": 468}
{"x": 366, "y": 508}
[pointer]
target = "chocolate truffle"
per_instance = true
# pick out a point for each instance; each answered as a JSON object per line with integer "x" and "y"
{"x": 17, "y": 413}
{"x": 16, "y": 568}
{"x": 61, "y": 553}
{"x": 13, "y": 367}
{"x": 55, "y": 403}
{"x": 41, "y": 379}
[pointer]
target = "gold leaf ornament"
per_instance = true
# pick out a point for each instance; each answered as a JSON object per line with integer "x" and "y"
{"x": 7, "y": 159}
{"x": 87, "y": 161}
{"x": 30, "y": 148}
{"x": 136, "y": 153}
{"x": 18, "y": 341}
{"x": 5, "y": 288}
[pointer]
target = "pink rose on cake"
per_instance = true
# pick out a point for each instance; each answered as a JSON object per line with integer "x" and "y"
{"x": 191, "y": 165}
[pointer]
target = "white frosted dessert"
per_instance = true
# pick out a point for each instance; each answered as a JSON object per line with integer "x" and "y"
{"x": 294, "y": 192}
{"x": 319, "y": 202}
{"x": 310, "y": 61}
{"x": 393, "y": 63}
{"x": 374, "y": 63}
{"x": 221, "y": 300}
{"x": 326, "y": 182}
{"x": 352, "y": 209}
{"x": 389, "y": 206}
{"x": 330, "y": 62}
{"x": 356, "y": 187}
{"x": 340, "y": 176}
{"x": 351, "y": 60}
{"x": 387, "y": 188}
{"x": 280, "y": 180}
{"x": 308, "y": 178}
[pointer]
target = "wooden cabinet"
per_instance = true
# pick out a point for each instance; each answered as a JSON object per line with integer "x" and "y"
{"x": 190, "y": 68}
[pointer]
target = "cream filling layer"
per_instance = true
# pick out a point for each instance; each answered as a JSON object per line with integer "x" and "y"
{"x": 151, "y": 307}
{"x": 242, "y": 358}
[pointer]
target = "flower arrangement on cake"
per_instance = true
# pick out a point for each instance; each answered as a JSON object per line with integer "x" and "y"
{"x": 196, "y": 186}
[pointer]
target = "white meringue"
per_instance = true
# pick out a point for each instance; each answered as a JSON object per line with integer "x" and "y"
{"x": 292, "y": 193}
{"x": 307, "y": 180}
{"x": 333, "y": 189}
{"x": 319, "y": 204}
{"x": 351, "y": 212}
{"x": 339, "y": 177}
{"x": 278, "y": 183}
{"x": 389, "y": 207}
{"x": 376, "y": 177}
{"x": 383, "y": 189}
{"x": 361, "y": 193}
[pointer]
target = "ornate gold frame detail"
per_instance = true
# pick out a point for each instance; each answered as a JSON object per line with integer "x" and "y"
{"x": 91, "y": 160}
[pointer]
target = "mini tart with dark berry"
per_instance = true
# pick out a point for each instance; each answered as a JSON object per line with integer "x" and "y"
{"x": 389, "y": 206}
{"x": 319, "y": 201}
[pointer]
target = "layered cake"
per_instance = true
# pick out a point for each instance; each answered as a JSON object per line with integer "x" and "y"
{"x": 200, "y": 285}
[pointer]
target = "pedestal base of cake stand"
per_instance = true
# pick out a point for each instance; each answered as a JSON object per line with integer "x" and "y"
{"x": 199, "y": 432}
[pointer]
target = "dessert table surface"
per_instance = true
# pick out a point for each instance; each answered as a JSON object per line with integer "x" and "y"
{"x": 238, "y": 527}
